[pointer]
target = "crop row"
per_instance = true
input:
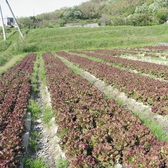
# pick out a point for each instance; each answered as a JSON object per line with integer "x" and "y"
{"x": 142, "y": 88}
{"x": 8, "y": 79}
{"x": 160, "y": 71}
{"x": 156, "y": 49}
{"x": 152, "y": 52}
{"x": 95, "y": 131}
{"x": 15, "y": 90}
{"x": 148, "y": 51}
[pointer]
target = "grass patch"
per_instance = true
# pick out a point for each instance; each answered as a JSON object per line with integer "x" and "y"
{"x": 34, "y": 108}
{"x": 98, "y": 37}
{"x": 47, "y": 111}
{"x": 4, "y": 45}
{"x": 34, "y": 76}
{"x": 11, "y": 63}
{"x": 34, "y": 163}
{"x": 42, "y": 72}
{"x": 155, "y": 129}
{"x": 48, "y": 114}
{"x": 33, "y": 146}
{"x": 56, "y": 39}
{"x": 62, "y": 163}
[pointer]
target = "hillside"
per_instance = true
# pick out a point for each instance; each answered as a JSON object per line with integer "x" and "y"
{"x": 105, "y": 12}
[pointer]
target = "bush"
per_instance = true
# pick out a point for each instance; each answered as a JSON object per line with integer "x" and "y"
{"x": 162, "y": 15}
{"x": 144, "y": 19}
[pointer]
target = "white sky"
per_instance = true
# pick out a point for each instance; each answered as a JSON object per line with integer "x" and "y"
{"x": 26, "y": 8}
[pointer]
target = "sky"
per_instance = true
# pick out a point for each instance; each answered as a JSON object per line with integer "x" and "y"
{"x": 26, "y": 8}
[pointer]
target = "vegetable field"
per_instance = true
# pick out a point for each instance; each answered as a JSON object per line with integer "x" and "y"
{"x": 14, "y": 95}
{"x": 95, "y": 131}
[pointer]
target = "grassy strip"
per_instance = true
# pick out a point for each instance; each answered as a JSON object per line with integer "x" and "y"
{"x": 34, "y": 108}
{"x": 42, "y": 73}
{"x": 34, "y": 76}
{"x": 48, "y": 114}
{"x": 35, "y": 112}
{"x": 12, "y": 62}
{"x": 33, "y": 145}
{"x": 155, "y": 129}
{"x": 47, "y": 111}
{"x": 101, "y": 37}
{"x": 56, "y": 39}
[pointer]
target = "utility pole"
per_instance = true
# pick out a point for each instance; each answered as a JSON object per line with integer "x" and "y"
{"x": 3, "y": 28}
{"x": 15, "y": 19}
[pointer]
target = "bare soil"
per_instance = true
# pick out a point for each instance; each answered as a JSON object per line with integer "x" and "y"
{"x": 52, "y": 152}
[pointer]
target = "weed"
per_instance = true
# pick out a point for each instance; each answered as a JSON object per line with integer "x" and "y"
{"x": 62, "y": 163}
{"x": 33, "y": 146}
{"x": 35, "y": 134}
{"x": 48, "y": 114}
{"x": 34, "y": 76}
{"x": 155, "y": 129}
{"x": 42, "y": 73}
{"x": 62, "y": 132}
{"x": 34, "y": 109}
{"x": 34, "y": 163}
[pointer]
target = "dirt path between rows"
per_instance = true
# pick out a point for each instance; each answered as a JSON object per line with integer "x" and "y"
{"x": 141, "y": 110}
{"x": 49, "y": 150}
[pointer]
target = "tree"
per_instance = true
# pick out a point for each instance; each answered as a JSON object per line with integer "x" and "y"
{"x": 90, "y": 10}
{"x": 61, "y": 22}
{"x": 142, "y": 9}
{"x": 161, "y": 3}
{"x": 72, "y": 13}
{"x": 153, "y": 8}
{"x": 26, "y": 22}
{"x": 162, "y": 15}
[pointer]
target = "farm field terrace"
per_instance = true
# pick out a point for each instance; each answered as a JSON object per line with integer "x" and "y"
{"x": 94, "y": 131}
{"x": 14, "y": 94}
{"x": 142, "y": 88}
